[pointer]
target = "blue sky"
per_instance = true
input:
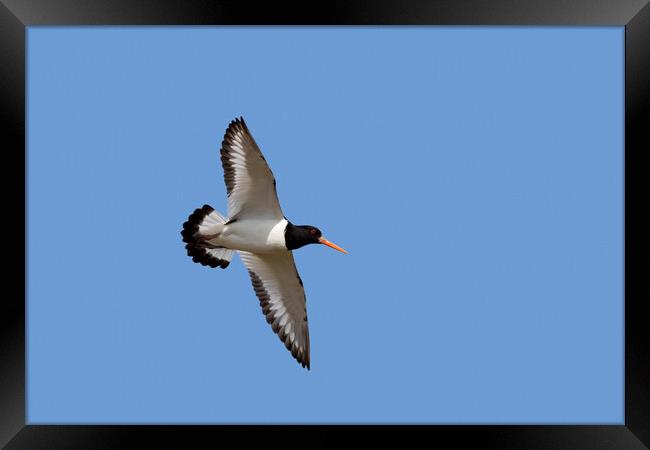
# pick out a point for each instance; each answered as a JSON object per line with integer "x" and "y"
{"x": 475, "y": 175}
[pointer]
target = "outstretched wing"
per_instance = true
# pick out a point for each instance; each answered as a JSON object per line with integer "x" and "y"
{"x": 282, "y": 298}
{"x": 249, "y": 181}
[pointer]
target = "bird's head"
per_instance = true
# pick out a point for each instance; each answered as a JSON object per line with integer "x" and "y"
{"x": 297, "y": 236}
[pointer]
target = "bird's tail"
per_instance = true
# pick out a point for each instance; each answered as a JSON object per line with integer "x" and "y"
{"x": 201, "y": 226}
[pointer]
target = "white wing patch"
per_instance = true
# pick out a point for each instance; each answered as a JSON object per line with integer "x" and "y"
{"x": 249, "y": 181}
{"x": 282, "y": 298}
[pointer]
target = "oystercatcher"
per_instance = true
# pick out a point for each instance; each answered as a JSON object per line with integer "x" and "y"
{"x": 257, "y": 229}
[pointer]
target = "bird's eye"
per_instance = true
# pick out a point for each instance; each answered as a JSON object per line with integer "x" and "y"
{"x": 312, "y": 231}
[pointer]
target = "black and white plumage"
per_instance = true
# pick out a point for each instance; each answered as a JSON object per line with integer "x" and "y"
{"x": 264, "y": 238}
{"x": 250, "y": 184}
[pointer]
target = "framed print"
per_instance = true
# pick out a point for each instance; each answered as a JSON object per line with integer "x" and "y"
{"x": 479, "y": 161}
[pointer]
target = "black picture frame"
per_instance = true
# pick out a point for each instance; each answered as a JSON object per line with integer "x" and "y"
{"x": 17, "y": 15}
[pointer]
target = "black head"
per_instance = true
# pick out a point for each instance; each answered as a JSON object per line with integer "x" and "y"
{"x": 297, "y": 236}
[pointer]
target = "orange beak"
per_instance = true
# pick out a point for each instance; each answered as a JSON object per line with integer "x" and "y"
{"x": 331, "y": 244}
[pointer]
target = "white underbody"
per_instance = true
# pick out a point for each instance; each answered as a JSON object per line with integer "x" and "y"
{"x": 251, "y": 235}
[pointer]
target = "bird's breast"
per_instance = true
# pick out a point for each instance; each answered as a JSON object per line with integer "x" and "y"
{"x": 257, "y": 236}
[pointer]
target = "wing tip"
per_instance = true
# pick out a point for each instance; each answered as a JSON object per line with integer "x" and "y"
{"x": 236, "y": 125}
{"x": 237, "y": 121}
{"x": 300, "y": 355}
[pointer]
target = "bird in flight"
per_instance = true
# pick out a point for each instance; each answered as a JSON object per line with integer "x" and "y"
{"x": 259, "y": 231}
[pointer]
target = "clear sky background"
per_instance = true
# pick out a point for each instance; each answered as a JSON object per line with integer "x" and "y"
{"x": 475, "y": 175}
